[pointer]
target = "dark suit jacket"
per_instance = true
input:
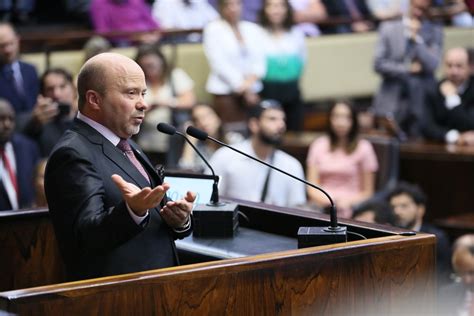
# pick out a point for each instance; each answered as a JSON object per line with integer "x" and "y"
{"x": 21, "y": 104}
{"x": 443, "y": 252}
{"x": 439, "y": 119}
{"x": 26, "y": 157}
{"x": 96, "y": 234}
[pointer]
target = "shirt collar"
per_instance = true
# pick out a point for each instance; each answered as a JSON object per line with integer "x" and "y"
{"x": 104, "y": 131}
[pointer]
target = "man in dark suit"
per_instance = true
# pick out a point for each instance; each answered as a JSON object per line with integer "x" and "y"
{"x": 106, "y": 200}
{"x": 18, "y": 80}
{"x": 449, "y": 106}
{"x": 18, "y": 158}
{"x": 408, "y": 204}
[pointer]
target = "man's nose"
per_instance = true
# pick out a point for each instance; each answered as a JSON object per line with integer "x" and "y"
{"x": 142, "y": 105}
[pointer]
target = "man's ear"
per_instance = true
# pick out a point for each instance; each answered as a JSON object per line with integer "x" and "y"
{"x": 253, "y": 125}
{"x": 94, "y": 99}
{"x": 421, "y": 211}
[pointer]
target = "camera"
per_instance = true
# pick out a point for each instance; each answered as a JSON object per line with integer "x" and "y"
{"x": 64, "y": 109}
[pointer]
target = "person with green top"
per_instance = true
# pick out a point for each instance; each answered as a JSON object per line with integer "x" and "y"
{"x": 285, "y": 53}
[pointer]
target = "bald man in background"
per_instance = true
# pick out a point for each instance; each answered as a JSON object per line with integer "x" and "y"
{"x": 107, "y": 202}
{"x": 449, "y": 107}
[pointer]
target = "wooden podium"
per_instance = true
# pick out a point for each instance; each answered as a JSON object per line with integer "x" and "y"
{"x": 387, "y": 273}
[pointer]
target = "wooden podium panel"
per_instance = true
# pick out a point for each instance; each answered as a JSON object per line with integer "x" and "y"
{"x": 386, "y": 274}
{"x": 29, "y": 255}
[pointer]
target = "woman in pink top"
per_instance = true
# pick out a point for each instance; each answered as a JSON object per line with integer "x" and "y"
{"x": 341, "y": 163}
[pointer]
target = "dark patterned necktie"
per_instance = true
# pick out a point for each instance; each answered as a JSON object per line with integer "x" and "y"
{"x": 124, "y": 146}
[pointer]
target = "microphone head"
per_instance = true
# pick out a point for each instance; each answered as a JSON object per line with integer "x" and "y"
{"x": 196, "y": 133}
{"x": 166, "y": 128}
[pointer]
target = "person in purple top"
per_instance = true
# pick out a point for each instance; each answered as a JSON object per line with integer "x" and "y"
{"x": 123, "y": 15}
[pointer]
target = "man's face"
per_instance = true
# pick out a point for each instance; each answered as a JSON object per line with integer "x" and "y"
{"x": 271, "y": 126}
{"x": 456, "y": 66}
{"x": 7, "y": 122}
{"x": 9, "y": 45}
{"x": 406, "y": 211}
{"x": 122, "y": 105}
{"x": 57, "y": 88}
{"x": 418, "y": 8}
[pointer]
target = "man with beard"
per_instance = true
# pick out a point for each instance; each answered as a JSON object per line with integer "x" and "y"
{"x": 408, "y": 205}
{"x": 107, "y": 202}
{"x": 243, "y": 178}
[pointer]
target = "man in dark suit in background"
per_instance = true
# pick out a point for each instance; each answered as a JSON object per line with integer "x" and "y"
{"x": 106, "y": 200}
{"x": 449, "y": 106}
{"x": 18, "y": 158}
{"x": 408, "y": 204}
{"x": 18, "y": 80}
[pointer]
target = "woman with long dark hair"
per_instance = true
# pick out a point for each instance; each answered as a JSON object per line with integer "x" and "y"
{"x": 341, "y": 162}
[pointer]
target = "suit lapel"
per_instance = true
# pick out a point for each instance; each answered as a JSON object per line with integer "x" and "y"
{"x": 112, "y": 153}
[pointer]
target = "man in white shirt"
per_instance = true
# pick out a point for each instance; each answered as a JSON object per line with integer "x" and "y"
{"x": 246, "y": 179}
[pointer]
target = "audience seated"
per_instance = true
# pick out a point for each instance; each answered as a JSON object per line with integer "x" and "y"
{"x": 307, "y": 13}
{"x": 183, "y": 14}
{"x": 18, "y": 80}
{"x": 204, "y": 117}
{"x": 170, "y": 96}
{"x": 243, "y": 178}
{"x": 54, "y": 111}
{"x": 19, "y": 156}
{"x": 407, "y": 54}
{"x": 123, "y": 15}
{"x": 457, "y": 298}
{"x": 356, "y": 10}
{"x": 237, "y": 64}
{"x": 342, "y": 163}
{"x": 285, "y": 53}
{"x": 375, "y": 212}
{"x": 449, "y": 111}
{"x": 408, "y": 203}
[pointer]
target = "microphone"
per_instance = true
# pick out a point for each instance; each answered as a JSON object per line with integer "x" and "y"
{"x": 334, "y": 229}
{"x": 217, "y": 219}
{"x": 171, "y": 130}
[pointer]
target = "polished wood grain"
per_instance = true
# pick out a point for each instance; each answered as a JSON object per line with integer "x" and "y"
{"x": 387, "y": 275}
{"x": 29, "y": 255}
